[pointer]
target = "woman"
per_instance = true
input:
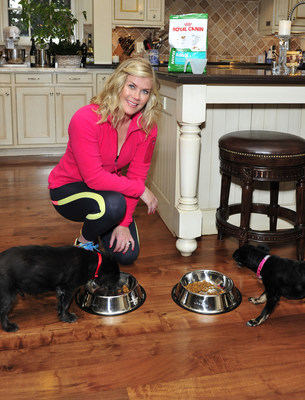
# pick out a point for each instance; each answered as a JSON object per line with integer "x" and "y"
{"x": 116, "y": 130}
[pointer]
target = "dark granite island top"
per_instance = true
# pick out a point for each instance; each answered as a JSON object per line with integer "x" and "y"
{"x": 233, "y": 75}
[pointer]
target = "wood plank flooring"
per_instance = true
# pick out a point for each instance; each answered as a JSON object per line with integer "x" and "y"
{"x": 160, "y": 351}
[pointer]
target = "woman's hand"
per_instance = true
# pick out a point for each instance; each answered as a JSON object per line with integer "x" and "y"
{"x": 150, "y": 200}
{"x": 123, "y": 238}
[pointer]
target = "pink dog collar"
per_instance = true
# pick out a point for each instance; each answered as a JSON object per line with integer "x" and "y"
{"x": 260, "y": 267}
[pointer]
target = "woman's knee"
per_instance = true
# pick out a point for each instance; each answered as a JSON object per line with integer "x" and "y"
{"x": 115, "y": 205}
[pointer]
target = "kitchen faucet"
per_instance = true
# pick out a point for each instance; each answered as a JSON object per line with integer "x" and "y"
{"x": 293, "y": 8}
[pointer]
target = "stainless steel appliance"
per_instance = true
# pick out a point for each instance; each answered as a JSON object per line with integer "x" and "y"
{"x": 13, "y": 54}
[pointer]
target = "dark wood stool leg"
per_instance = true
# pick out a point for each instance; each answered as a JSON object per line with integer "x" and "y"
{"x": 274, "y": 199}
{"x": 224, "y": 200}
{"x": 246, "y": 206}
{"x": 300, "y": 210}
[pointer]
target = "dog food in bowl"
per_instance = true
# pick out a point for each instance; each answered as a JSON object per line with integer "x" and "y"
{"x": 206, "y": 292}
{"x": 101, "y": 301}
{"x": 204, "y": 287}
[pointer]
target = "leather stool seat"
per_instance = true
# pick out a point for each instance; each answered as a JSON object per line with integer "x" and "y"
{"x": 263, "y": 156}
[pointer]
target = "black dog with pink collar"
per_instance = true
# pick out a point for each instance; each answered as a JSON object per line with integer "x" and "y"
{"x": 281, "y": 277}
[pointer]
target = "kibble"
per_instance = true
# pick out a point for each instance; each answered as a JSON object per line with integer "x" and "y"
{"x": 204, "y": 287}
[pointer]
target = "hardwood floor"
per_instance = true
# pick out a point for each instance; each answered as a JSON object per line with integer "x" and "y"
{"x": 160, "y": 351}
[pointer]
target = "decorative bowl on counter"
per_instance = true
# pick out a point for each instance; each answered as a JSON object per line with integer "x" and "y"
{"x": 96, "y": 300}
{"x": 206, "y": 292}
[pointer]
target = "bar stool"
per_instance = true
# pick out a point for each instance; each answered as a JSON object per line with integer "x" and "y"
{"x": 262, "y": 156}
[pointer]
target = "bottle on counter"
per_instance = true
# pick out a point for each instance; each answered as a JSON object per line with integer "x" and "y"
{"x": 273, "y": 53}
{"x": 84, "y": 54}
{"x": 33, "y": 55}
{"x": 90, "y": 54}
{"x": 52, "y": 55}
{"x": 269, "y": 56}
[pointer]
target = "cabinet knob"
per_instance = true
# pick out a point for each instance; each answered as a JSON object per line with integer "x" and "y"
{"x": 7, "y": 94}
{"x": 57, "y": 93}
{"x": 51, "y": 93}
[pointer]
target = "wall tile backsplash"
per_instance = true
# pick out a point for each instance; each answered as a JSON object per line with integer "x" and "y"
{"x": 232, "y": 29}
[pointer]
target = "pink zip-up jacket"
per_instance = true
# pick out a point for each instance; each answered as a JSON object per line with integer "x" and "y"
{"x": 92, "y": 157}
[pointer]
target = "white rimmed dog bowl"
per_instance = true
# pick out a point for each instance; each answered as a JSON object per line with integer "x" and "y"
{"x": 207, "y": 303}
{"x": 93, "y": 299}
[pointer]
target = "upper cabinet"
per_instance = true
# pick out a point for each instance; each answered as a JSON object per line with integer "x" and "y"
{"x": 144, "y": 13}
{"x": 272, "y": 11}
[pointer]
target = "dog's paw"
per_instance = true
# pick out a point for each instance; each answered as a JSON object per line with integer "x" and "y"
{"x": 253, "y": 300}
{"x": 252, "y": 322}
{"x": 11, "y": 327}
{"x": 69, "y": 317}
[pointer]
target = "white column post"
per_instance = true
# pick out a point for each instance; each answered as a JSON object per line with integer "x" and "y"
{"x": 191, "y": 106}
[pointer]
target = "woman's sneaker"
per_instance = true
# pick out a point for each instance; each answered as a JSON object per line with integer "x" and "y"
{"x": 87, "y": 246}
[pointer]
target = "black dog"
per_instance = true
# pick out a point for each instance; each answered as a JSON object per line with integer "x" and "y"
{"x": 38, "y": 269}
{"x": 280, "y": 276}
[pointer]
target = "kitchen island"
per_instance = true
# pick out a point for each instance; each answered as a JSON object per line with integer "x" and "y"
{"x": 197, "y": 110}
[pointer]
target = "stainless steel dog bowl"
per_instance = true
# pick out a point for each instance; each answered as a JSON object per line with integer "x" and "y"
{"x": 95, "y": 299}
{"x": 205, "y": 303}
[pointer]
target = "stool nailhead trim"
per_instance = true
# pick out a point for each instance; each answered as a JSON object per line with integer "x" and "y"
{"x": 263, "y": 155}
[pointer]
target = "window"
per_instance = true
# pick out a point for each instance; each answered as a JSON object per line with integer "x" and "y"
{"x": 10, "y": 15}
{"x": 14, "y": 9}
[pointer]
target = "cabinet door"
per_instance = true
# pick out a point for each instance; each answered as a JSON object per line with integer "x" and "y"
{"x": 69, "y": 100}
{"x": 281, "y": 11}
{"x": 129, "y": 10}
{"x": 100, "y": 82}
{"x": 35, "y": 115}
{"x": 153, "y": 12}
{"x": 298, "y": 16}
{"x": 6, "y": 131}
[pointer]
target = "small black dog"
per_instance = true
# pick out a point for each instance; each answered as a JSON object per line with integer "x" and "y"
{"x": 38, "y": 269}
{"x": 280, "y": 276}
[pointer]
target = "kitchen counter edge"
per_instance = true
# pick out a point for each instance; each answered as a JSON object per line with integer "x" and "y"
{"x": 231, "y": 77}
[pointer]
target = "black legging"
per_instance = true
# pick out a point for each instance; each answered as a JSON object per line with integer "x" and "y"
{"x": 99, "y": 210}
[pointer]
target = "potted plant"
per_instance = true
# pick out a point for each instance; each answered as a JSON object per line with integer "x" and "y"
{"x": 51, "y": 21}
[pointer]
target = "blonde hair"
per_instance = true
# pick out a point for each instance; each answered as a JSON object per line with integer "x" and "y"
{"x": 109, "y": 99}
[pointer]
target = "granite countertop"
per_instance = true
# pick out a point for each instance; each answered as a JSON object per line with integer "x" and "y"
{"x": 217, "y": 73}
{"x": 220, "y": 74}
{"x": 27, "y": 68}
{"x": 8, "y": 68}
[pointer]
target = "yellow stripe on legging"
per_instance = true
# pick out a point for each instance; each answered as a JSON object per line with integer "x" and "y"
{"x": 97, "y": 197}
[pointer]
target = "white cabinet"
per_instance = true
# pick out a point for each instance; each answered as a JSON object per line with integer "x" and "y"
{"x": 298, "y": 17}
{"x": 67, "y": 101}
{"x": 129, "y": 10}
{"x": 35, "y": 116}
{"x": 6, "y": 130}
{"x": 100, "y": 82}
{"x": 44, "y": 112}
{"x": 146, "y": 13}
{"x": 272, "y": 11}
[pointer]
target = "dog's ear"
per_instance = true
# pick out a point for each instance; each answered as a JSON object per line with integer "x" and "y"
{"x": 235, "y": 254}
{"x": 263, "y": 247}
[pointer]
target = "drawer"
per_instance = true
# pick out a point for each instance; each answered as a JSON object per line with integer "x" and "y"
{"x": 33, "y": 78}
{"x": 74, "y": 78}
{"x": 5, "y": 78}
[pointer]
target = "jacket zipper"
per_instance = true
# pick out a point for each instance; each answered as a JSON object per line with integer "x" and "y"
{"x": 116, "y": 164}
